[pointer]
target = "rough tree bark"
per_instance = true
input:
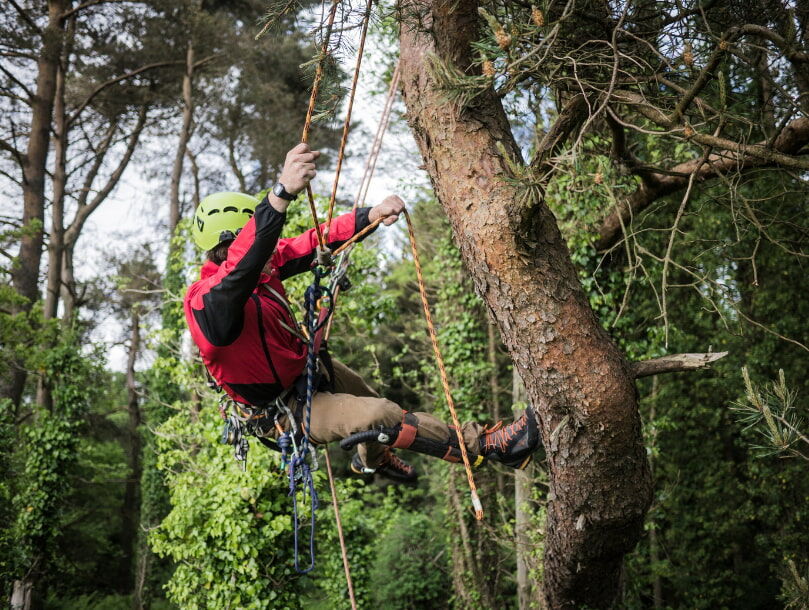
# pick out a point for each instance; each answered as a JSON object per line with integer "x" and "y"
{"x": 579, "y": 382}
{"x": 522, "y": 519}
{"x": 25, "y": 276}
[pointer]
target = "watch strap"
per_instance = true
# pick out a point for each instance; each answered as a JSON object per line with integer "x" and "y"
{"x": 279, "y": 190}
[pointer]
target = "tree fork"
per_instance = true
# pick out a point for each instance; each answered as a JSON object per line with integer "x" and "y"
{"x": 579, "y": 382}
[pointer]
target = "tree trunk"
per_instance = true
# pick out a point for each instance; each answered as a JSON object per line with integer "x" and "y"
{"x": 21, "y": 595}
{"x": 25, "y": 275}
{"x": 654, "y": 553}
{"x": 130, "y": 515}
{"x": 575, "y": 376}
{"x": 185, "y": 135}
{"x": 522, "y": 519}
{"x": 56, "y": 243}
{"x": 494, "y": 387}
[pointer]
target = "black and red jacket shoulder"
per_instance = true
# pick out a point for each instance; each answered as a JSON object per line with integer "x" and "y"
{"x": 237, "y": 324}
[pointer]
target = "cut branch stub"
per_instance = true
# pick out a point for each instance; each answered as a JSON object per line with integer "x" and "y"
{"x": 675, "y": 363}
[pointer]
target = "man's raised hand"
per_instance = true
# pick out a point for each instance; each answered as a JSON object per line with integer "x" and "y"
{"x": 299, "y": 168}
{"x": 388, "y": 210}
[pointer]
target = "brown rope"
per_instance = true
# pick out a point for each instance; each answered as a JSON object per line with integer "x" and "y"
{"x": 357, "y": 236}
{"x": 442, "y": 370}
{"x": 370, "y": 163}
{"x": 347, "y": 122}
{"x": 307, "y": 124}
{"x": 343, "y": 550}
{"x": 367, "y": 175}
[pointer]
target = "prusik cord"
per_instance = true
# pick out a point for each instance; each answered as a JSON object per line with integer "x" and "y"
{"x": 443, "y": 371}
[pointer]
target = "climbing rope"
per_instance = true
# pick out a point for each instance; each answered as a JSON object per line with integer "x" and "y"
{"x": 347, "y": 123}
{"x": 343, "y": 550}
{"x": 367, "y": 175}
{"x": 307, "y": 124}
{"x": 443, "y": 371}
{"x": 370, "y": 162}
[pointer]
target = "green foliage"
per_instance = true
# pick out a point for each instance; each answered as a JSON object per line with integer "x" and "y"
{"x": 51, "y": 445}
{"x": 773, "y": 414}
{"x": 228, "y": 531}
{"x": 411, "y": 570}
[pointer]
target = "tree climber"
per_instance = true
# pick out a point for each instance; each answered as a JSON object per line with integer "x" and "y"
{"x": 254, "y": 349}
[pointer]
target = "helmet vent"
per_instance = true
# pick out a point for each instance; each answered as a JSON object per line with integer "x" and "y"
{"x": 214, "y": 211}
{"x": 248, "y": 212}
{"x": 230, "y": 208}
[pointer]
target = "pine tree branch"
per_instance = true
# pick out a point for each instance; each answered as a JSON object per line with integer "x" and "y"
{"x": 29, "y": 94}
{"x": 674, "y": 363}
{"x": 26, "y": 17}
{"x": 98, "y": 159}
{"x": 118, "y": 79}
{"x": 17, "y": 154}
{"x": 793, "y": 138}
{"x": 570, "y": 118}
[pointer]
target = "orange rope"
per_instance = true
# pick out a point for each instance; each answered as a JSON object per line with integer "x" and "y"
{"x": 347, "y": 123}
{"x": 367, "y": 175}
{"x": 358, "y": 236}
{"x": 443, "y": 371}
{"x": 370, "y": 164}
{"x": 343, "y": 550}
{"x": 307, "y": 124}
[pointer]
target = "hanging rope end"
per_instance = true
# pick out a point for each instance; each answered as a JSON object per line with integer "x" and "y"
{"x": 477, "y": 506}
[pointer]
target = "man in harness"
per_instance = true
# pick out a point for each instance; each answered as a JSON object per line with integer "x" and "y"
{"x": 252, "y": 345}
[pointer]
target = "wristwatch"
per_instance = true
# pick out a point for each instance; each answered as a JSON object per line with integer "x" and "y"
{"x": 279, "y": 191}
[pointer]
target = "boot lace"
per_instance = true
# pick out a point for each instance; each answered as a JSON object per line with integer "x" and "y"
{"x": 392, "y": 460}
{"x": 497, "y": 438}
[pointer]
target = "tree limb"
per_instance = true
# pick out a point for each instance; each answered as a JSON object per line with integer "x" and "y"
{"x": 656, "y": 185}
{"x": 118, "y": 79}
{"x": 26, "y": 17}
{"x": 19, "y": 155}
{"x": 72, "y": 233}
{"x": 779, "y": 41}
{"x": 570, "y": 118}
{"x": 98, "y": 160}
{"x": 674, "y": 363}
{"x": 20, "y": 84}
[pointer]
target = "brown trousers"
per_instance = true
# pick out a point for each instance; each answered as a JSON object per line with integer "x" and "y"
{"x": 355, "y": 407}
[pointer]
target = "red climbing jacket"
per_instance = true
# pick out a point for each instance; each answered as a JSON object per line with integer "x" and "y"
{"x": 238, "y": 314}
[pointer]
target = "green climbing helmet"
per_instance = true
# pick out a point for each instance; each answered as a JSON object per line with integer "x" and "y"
{"x": 221, "y": 213}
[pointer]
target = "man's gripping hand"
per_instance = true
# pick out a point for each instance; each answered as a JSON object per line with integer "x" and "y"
{"x": 388, "y": 210}
{"x": 299, "y": 169}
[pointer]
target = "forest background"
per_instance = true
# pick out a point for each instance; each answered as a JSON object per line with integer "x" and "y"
{"x": 115, "y": 492}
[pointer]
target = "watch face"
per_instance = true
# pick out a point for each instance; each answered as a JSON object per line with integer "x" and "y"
{"x": 279, "y": 191}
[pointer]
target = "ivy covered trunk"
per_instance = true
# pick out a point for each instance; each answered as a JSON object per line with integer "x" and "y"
{"x": 577, "y": 379}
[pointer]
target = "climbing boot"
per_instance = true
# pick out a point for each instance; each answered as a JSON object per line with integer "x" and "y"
{"x": 391, "y": 467}
{"x": 512, "y": 445}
